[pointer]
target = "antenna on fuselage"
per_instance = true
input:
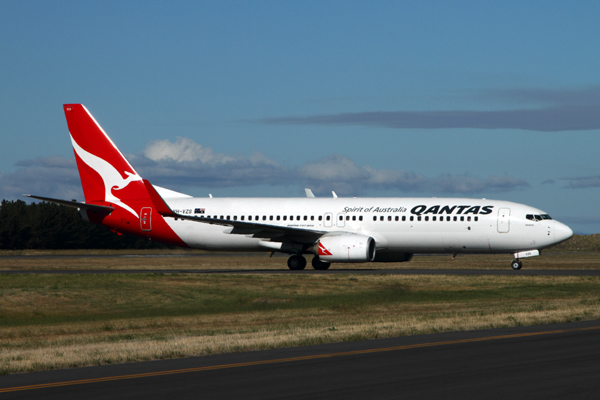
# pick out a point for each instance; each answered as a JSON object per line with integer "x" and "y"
{"x": 309, "y": 192}
{"x": 210, "y": 195}
{"x": 334, "y": 195}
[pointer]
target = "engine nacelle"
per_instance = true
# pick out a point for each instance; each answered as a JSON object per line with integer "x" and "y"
{"x": 345, "y": 248}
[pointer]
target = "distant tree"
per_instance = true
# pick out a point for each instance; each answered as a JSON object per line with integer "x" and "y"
{"x": 52, "y": 226}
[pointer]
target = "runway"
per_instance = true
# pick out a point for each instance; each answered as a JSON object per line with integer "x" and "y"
{"x": 550, "y": 361}
{"x": 507, "y": 271}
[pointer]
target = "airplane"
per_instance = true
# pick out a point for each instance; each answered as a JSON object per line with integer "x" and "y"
{"x": 333, "y": 230}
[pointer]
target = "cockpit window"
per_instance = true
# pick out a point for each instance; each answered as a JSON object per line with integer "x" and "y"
{"x": 536, "y": 217}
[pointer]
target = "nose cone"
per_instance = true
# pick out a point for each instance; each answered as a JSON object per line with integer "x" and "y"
{"x": 562, "y": 232}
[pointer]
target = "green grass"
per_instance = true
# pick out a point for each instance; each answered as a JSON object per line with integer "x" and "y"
{"x": 53, "y": 299}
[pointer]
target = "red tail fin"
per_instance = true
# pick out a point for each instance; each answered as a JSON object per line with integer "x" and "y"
{"x": 109, "y": 180}
{"x": 106, "y": 176}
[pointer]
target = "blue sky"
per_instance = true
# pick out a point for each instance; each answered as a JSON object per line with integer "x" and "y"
{"x": 461, "y": 99}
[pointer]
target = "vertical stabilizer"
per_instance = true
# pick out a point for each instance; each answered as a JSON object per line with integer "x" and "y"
{"x": 106, "y": 176}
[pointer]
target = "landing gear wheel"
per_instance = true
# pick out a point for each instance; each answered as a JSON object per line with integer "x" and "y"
{"x": 320, "y": 265}
{"x": 296, "y": 262}
{"x": 516, "y": 264}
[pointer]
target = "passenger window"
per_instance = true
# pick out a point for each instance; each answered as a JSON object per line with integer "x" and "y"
{"x": 298, "y": 218}
{"x": 285, "y": 217}
{"x": 235, "y": 217}
{"x": 291, "y": 217}
{"x": 374, "y": 218}
{"x": 264, "y": 217}
{"x": 305, "y": 217}
{"x": 397, "y": 218}
{"x": 278, "y": 218}
{"x": 426, "y": 218}
{"x": 347, "y": 218}
{"x": 476, "y": 219}
{"x": 270, "y": 218}
{"x": 412, "y": 218}
{"x": 312, "y": 217}
{"x": 257, "y": 218}
{"x": 360, "y": 217}
{"x": 462, "y": 218}
{"x": 389, "y": 217}
{"x": 381, "y": 218}
{"x": 468, "y": 218}
{"x": 433, "y": 218}
{"x": 404, "y": 218}
{"x": 448, "y": 219}
{"x": 328, "y": 217}
{"x": 354, "y": 218}
{"x": 249, "y": 217}
{"x": 419, "y": 218}
{"x": 455, "y": 218}
{"x": 320, "y": 218}
{"x": 242, "y": 217}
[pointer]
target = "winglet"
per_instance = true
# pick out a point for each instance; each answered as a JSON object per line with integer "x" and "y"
{"x": 158, "y": 202}
{"x": 309, "y": 192}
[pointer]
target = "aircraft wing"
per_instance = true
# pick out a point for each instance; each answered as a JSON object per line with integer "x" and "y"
{"x": 75, "y": 204}
{"x": 251, "y": 229}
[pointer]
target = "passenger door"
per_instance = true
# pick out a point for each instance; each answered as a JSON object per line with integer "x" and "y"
{"x": 503, "y": 220}
{"x": 145, "y": 219}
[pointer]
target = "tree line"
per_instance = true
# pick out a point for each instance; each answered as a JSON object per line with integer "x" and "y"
{"x": 52, "y": 226}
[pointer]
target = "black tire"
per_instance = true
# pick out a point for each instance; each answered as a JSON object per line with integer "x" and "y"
{"x": 516, "y": 264}
{"x": 296, "y": 262}
{"x": 320, "y": 265}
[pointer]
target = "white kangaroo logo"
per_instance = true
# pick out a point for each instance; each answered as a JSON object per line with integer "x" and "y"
{"x": 111, "y": 177}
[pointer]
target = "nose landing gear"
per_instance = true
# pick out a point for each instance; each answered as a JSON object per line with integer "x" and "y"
{"x": 516, "y": 264}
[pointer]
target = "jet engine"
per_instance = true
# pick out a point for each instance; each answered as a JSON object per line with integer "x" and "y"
{"x": 345, "y": 248}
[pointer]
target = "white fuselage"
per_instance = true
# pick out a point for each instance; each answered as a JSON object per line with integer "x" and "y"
{"x": 410, "y": 225}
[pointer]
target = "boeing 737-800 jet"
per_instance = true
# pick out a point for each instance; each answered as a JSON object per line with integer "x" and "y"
{"x": 334, "y": 230}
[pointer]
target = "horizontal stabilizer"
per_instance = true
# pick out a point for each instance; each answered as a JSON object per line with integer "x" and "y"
{"x": 75, "y": 204}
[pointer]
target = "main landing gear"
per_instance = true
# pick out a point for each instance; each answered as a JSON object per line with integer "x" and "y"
{"x": 320, "y": 265}
{"x": 297, "y": 262}
{"x": 516, "y": 264}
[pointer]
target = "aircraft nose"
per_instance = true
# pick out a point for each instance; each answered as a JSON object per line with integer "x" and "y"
{"x": 562, "y": 232}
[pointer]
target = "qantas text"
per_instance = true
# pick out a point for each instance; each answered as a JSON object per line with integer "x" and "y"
{"x": 423, "y": 209}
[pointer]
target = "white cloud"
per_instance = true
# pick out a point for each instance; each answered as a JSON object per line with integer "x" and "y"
{"x": 183, "y": 150}
{"x": 186, "y": 164}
